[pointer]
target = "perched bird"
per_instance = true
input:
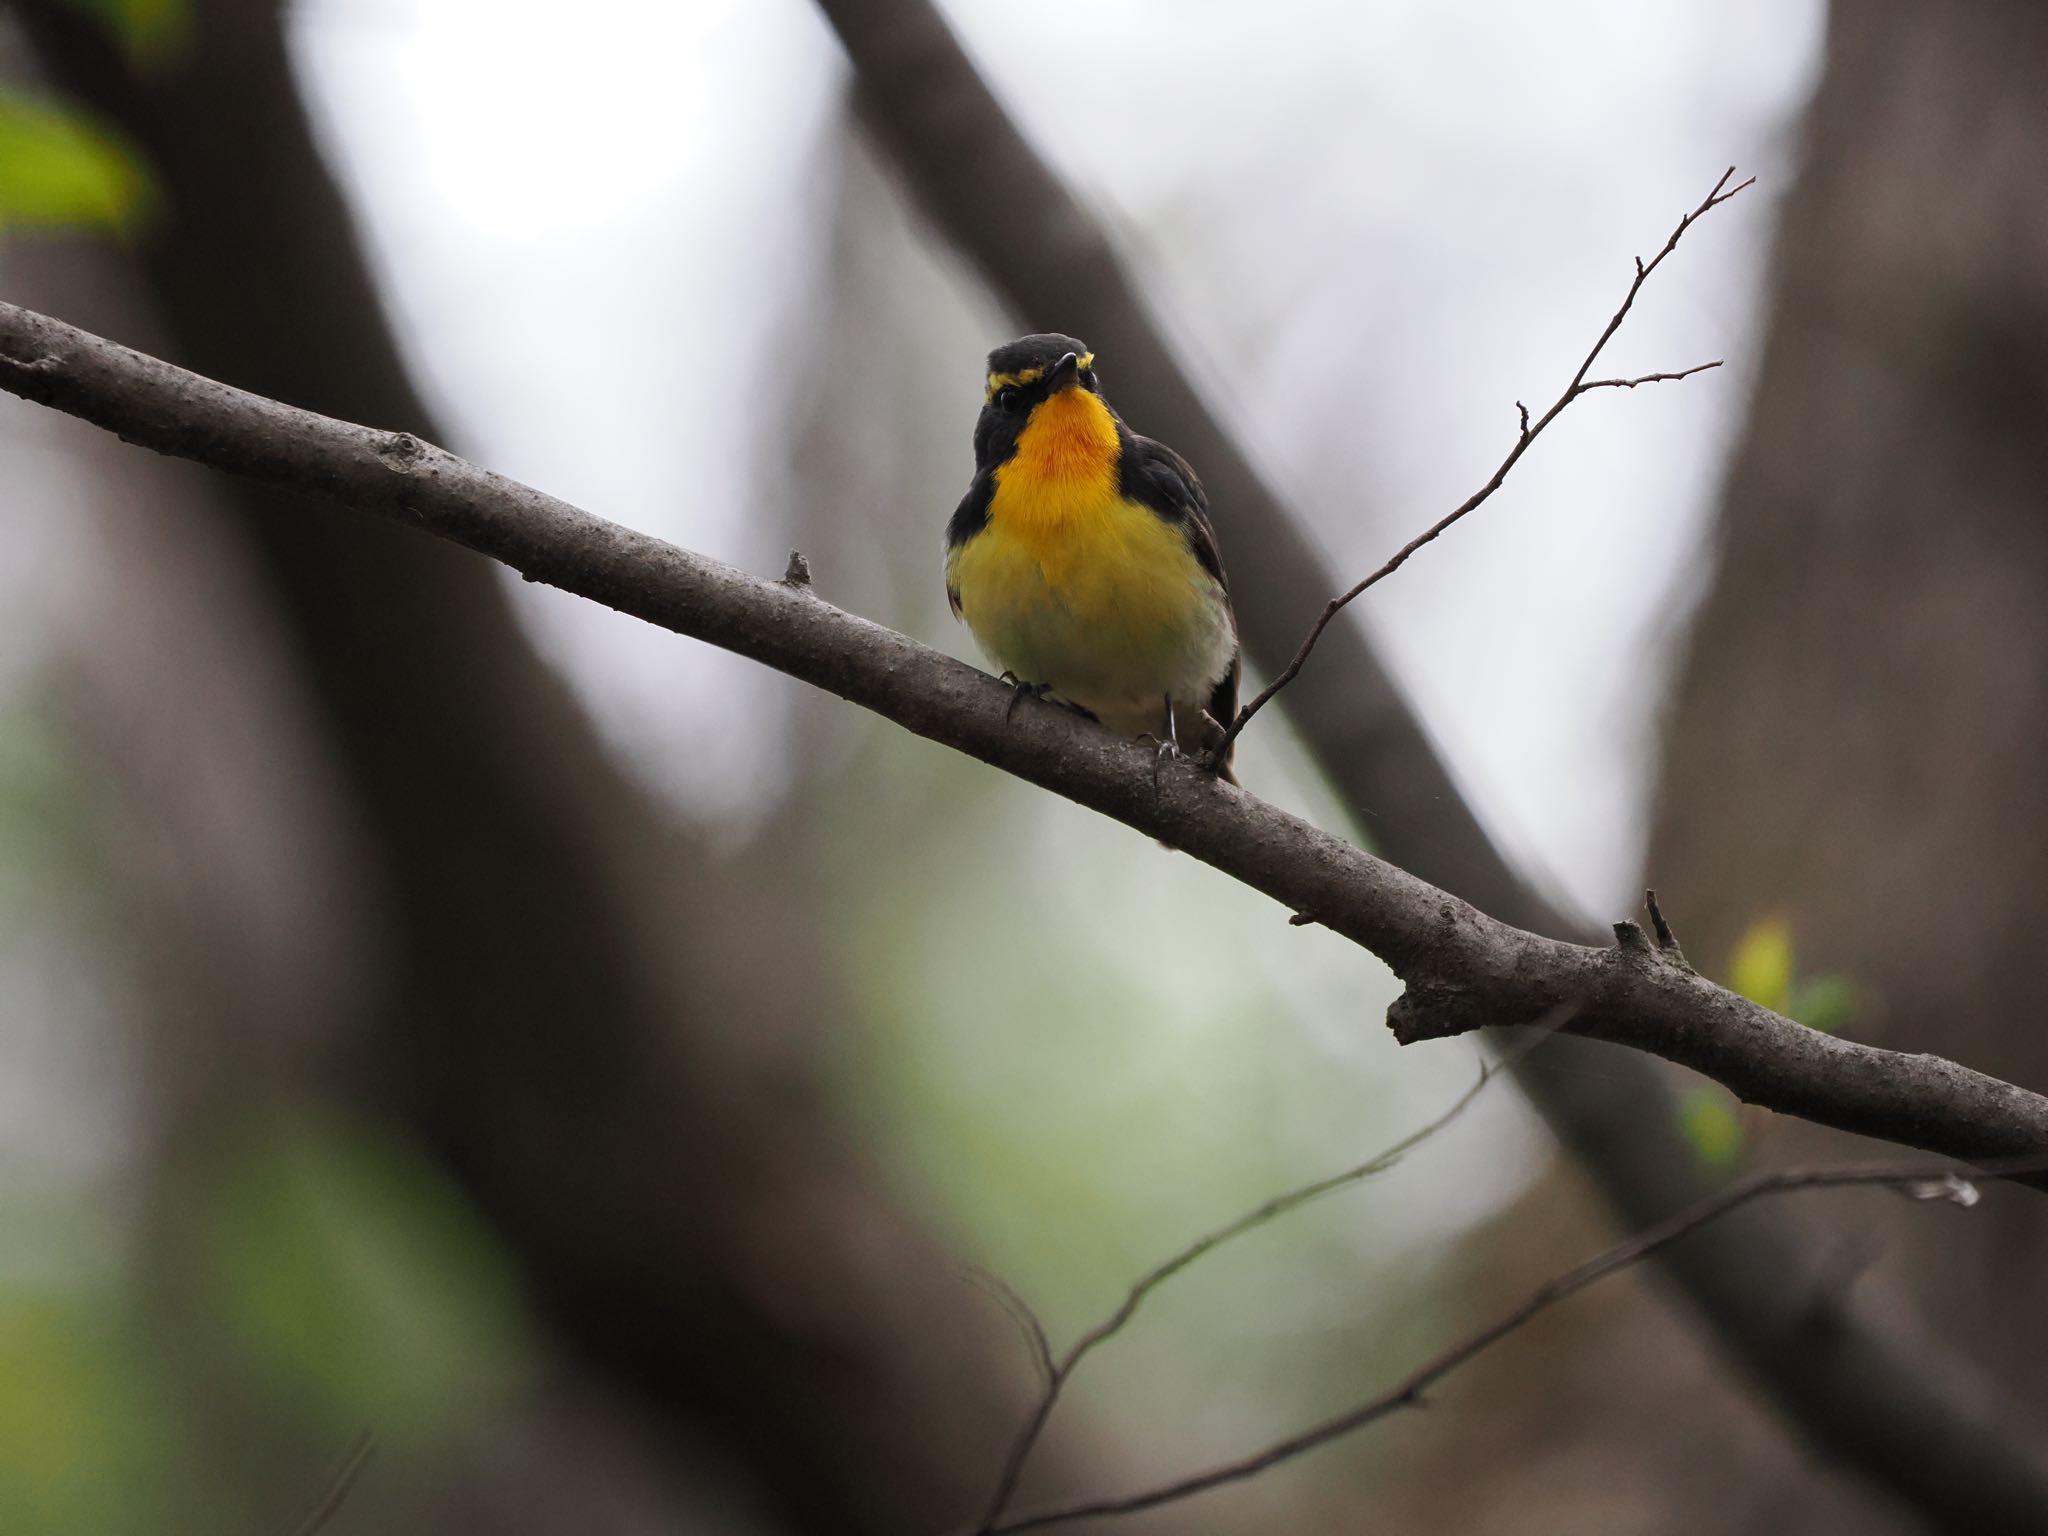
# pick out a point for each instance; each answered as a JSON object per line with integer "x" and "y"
{"x": 1082, "y": 557}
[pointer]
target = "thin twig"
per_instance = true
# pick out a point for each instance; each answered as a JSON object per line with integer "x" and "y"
{"x": 1524, "y": 438}
{"x": 1952, "y": 1182}
{"x": 1667, "y": 940}
{"x": 1648, "y": 378}
{"x": 1023, "y": 1316}
{"x": 358, "y": 1458}
{"x": 1059, "y": 1374}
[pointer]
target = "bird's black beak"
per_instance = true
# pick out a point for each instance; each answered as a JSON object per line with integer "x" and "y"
{"x": 1065, "y": 374}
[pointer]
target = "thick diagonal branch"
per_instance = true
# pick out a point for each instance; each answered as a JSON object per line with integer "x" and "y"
{"x": 1462, "y": 968}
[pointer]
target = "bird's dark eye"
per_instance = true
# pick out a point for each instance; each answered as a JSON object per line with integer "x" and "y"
{"x": 1087, "y": 378}
{"x": 1006, "y": 398}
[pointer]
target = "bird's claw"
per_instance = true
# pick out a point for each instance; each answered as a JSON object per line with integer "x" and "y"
{"x": 1169, "y": 751}
{"x": 1020, "y": 689}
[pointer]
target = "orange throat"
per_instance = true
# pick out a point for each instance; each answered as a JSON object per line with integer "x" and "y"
{"x": 1066, "y": 458}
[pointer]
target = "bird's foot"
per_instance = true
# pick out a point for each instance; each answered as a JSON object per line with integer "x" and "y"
{"x": 1168, "y": 749}
{"x": 1019, "y": 689}
{"x": 1168, "y": 752}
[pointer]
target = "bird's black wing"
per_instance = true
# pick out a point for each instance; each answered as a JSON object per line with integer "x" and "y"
{"x": 968, "y": 519}
{"x": 1154, "y": 476}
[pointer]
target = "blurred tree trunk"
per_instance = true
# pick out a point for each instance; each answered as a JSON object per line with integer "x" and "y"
{"x": 1856, "y": 742}
{"x": 1860, "y": 731}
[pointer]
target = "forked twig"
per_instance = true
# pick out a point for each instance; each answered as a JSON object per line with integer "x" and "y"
{"x": 1955, "y": 1183}
{"x": 1525, "y": 437}
{"x": 1057, "y": 1374}
{"x": 1021, "y": 1313}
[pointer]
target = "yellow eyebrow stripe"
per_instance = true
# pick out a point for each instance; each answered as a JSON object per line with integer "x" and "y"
{"x": 998, "y": 381}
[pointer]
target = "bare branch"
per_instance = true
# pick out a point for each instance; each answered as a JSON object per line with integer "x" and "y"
{"x": 1648, "y": 378}
{"x": 1667, "y": 941}
{"x": 1027, "y": 1321}
{"x": 1956, "y": 1184}
{"x": 1462, "y": 969}
{"x": 1058, "y": 1375}
{"x": 1524, "y": 440}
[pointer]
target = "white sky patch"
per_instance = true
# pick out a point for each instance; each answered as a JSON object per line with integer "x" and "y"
{"x": 593, "y": 226}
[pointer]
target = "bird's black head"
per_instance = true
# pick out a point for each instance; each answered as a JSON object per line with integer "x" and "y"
{"x": 1022, "y": 375}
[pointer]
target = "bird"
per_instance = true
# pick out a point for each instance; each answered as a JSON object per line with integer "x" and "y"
{"x": 1082, "y": 559}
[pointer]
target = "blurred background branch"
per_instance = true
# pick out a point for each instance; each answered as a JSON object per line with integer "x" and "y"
{"x": 1921, "y": 1181}
{"x": 1058, "y": 1372}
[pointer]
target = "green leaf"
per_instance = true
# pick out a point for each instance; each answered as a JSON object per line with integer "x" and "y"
{"x": 360, "y": 1280}
{"x": 85, "y": 1445}
{"x": 1761, "y": 967}
{"x": 58, "y": 168}
{"x": 1707, "y": 1120}
{"x": 1825, "y": 1003}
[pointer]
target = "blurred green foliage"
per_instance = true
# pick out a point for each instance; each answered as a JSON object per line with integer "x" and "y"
{"x": 360, "y": 1284}
{"x": 340, "y": 1282}
{"x": 59, "y": 169}
{"x": 90, "y": 1440}
{"x": 1763, "y": 969}
{"x": 1708, "y": 1120}
{"x": 45, "y": 784}
{"x": 83, "y": 1445}
{"x": 1825, "y": 1003}
{"x": 1761, "y": 966}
